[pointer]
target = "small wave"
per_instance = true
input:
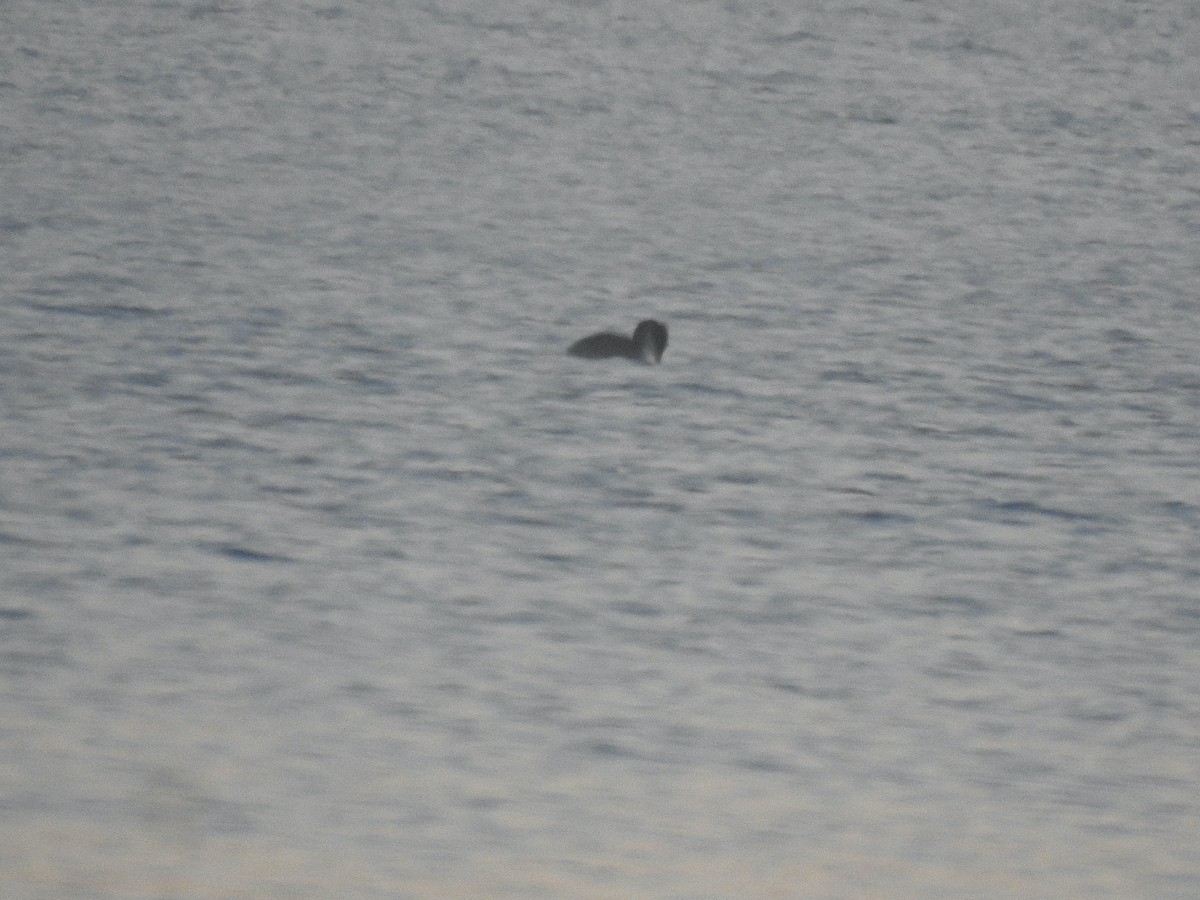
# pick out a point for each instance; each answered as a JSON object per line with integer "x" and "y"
{"x": 100, "y": 310}
{"x": 1032, "y": 509}
{"x": 245, "y": 554}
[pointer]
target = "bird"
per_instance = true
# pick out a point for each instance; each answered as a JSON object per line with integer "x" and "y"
{"x": 647, "y": 344}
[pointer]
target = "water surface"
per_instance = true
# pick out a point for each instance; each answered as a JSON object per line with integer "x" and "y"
{"x": 325, "y": 572}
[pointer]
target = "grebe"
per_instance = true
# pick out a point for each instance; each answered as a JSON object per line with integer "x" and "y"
{"x": 647, "y": 344}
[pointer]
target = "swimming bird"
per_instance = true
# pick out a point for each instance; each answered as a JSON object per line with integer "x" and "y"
{"x": 647, "y": 344}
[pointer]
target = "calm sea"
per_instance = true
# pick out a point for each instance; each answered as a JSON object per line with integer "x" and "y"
{"x": 324, "y": 572}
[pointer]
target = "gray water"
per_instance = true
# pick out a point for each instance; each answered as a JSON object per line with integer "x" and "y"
{"x": 325, "y": 572}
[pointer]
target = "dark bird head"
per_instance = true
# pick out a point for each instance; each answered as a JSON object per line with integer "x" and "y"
{"x": 650, "y": 337}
